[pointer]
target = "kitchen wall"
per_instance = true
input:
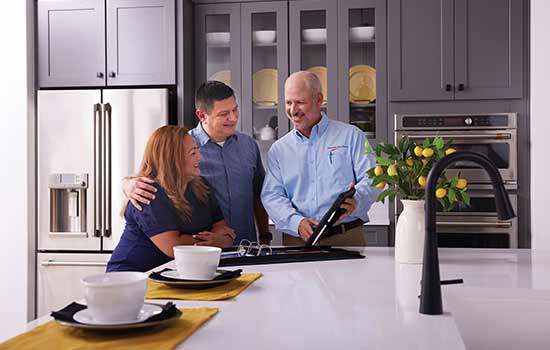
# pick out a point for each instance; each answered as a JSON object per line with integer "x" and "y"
{"x": 540, "y": 124}
{"x": 15, "y": 98}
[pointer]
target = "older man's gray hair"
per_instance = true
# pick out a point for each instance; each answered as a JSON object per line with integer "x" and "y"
{"x": 312, "y": 82}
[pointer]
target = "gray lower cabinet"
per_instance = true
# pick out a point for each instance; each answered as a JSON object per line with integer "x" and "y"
{"x": 455, "y": 49}
{"x": 376, "y": 236}
{"x": 106, "y": 42}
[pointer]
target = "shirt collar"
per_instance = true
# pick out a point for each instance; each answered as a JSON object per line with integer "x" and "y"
{"x": 202, "y": 137}
{"x": 317, "y": 130}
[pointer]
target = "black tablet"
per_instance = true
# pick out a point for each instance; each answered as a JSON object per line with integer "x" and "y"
{"x": 330, "y": 217}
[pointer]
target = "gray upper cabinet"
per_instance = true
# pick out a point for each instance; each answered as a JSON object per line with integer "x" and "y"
{"x": 106, "y": 42}
{"x": 71, "y": 43}
{"x": 141, "y": 42}
{"x": 455, "y": 49}
{"x": 488, "y": 49}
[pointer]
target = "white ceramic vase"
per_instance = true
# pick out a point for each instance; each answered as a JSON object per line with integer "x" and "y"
{"x": 410, "y": 232}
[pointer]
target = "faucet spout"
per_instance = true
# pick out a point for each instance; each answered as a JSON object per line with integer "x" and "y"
{"x": 430, "y": 297}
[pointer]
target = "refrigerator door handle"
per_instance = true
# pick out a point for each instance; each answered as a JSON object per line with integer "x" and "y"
{"x": 72, "y": 263}
{"x": 98, "y": 176}
{"x": 107, "y": 171}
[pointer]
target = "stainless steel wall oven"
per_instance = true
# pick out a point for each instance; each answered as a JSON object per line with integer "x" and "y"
{"x": 493, "y": 135}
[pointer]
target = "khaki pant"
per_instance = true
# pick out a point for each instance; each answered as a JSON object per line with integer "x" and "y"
{"x": 351, "y": 238}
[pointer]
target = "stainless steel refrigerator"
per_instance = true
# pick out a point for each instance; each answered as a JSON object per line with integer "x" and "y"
{"x": 87, "y": 141}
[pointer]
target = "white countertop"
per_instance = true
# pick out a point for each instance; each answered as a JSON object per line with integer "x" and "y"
{"x": 370, "y": 303}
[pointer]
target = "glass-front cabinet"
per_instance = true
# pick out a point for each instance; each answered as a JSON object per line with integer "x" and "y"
{"x": 246, "y": 46}
{"x": 254, "y": 46}
{"x": 218, "y": 46}
{"x": 264, "y": 70}
{"x": 362, "y": 66}
{"x": 314, "y": 46}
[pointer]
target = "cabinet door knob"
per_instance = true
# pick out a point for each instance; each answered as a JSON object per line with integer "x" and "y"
{"x": 448, "y": 87}
{"x": 460, "y": 87}
{"x": 112, "y": 75}
{"x": 99, "y": 74}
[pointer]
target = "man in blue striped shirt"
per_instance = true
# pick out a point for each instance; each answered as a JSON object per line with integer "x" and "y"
{"x": 231, "y": 163}
{"x": 311, "y": 165}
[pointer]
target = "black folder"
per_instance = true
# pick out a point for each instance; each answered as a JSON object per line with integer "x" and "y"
{"x": 283, "y": 255}
{"x": 330, "y": 217}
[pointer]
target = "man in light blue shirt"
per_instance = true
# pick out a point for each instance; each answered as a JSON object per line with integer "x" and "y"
{"x": 311, "y": 165}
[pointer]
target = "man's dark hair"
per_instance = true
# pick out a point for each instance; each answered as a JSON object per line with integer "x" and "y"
{"x": 209, "y": 92}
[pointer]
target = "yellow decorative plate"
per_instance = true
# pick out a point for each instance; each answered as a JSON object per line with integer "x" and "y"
{"x": 321, "y": 73}
{"x": 224, "y": 76}
{"x": 264, "y": 87}
{"x": 362, "y": 84}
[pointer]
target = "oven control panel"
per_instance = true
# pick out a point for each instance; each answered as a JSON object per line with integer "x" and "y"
{"x": 477, "y": 121}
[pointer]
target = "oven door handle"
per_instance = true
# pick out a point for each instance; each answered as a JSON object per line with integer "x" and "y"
{"x": 499, "y": 136}
{"x": 498, "y": 224}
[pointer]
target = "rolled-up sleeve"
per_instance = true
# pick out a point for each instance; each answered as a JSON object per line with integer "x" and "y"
{"x": 275, "y": 198}
{"x": 365, "y": 195}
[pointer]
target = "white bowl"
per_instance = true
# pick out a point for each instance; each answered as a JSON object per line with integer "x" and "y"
{"x": 115, "y": 296}
{"x": 218, "y": 38}
{"x": 264, "y": 36}
{"x": 197, "y": 262}
{"x": 315, "y": 35}
{"x": 361, "y": 33}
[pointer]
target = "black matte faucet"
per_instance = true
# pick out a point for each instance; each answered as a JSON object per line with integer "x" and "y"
{"x": 430, "y": 298}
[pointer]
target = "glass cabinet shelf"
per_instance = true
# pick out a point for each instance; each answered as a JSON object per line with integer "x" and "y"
{"x": 265, "y": 107}
{"x": 368, "y": 41}
{"x": 265, "y": 45}
{"x": 363, "y": 105}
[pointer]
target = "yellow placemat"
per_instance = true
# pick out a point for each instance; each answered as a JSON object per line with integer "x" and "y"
{"x": 225, "y": 291}
{"x": 54, "y": 336}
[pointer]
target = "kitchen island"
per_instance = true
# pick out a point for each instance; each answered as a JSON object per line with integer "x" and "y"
{"x": 370, "y": 303}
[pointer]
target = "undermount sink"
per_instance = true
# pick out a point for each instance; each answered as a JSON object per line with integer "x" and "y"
{"x": 492, "y": 318}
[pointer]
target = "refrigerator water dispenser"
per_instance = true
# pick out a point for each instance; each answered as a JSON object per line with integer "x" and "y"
{"x": 68, "y": 202}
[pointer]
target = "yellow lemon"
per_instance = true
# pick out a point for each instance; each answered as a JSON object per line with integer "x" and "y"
{"x": 378, "y": 170}
{"x": 428, "y": 152}
{"x": 422, "y": 181}
{"x": 424, "y": 162}
{"x": 410, "y": 162}
{"x": 418, "y": 151}
{"x": 381, "y": 184}
{"x": 440, "y": 192}
{"x": 392, "y": 170}
{"x": 461, "y": 183}
{"x": 449, "y": 151}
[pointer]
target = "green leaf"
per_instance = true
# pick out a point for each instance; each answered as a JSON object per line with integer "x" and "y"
{"x": 389, "y": 149}
{"x": 452, "y": 195}
{"x": 383, "y": 195}
{"x": 402, "y": 144}
{"x": 439, "y": 143}
{"x": 427, "y": 142}
{"x": 466, "y": 198}
{"x": 383, "y": 161}
{"x": 379, "y": 150}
